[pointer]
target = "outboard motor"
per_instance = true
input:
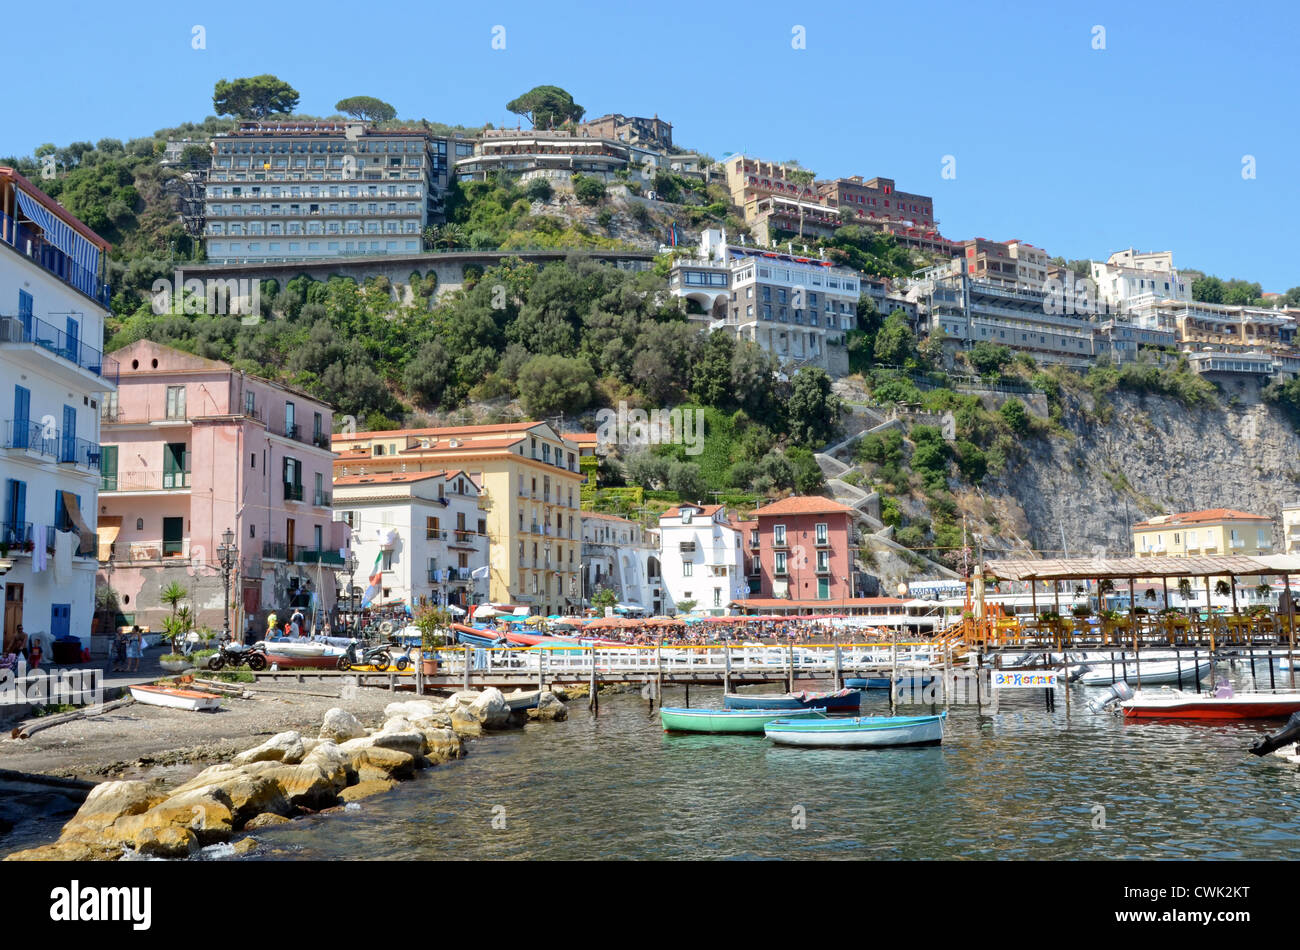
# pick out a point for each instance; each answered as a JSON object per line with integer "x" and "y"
{"x": 1285, "y": 736}
{"x": 1117, "y": 693}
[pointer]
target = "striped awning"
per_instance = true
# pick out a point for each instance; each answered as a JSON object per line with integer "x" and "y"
{"x": 61, "y": 234}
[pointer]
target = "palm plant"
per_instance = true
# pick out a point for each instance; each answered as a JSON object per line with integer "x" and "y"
{"x": 172, "y": 595}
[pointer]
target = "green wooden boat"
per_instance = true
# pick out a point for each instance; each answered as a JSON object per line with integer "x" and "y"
{"x": 729, "y": 720}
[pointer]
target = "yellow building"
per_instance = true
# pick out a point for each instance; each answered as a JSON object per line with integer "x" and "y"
{"x": 1216, "y": 531}
{"x": 531, "y": 485}
{"x": 1291, "y": 529}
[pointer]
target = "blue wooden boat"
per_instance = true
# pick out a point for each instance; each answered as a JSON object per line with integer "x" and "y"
{"x": 860, "y": 732}
{"x": 908, "y": 681}
{"x": 844, "y": 699}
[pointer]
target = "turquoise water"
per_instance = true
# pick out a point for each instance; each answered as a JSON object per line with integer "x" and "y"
{"x": 1023, "y": 783}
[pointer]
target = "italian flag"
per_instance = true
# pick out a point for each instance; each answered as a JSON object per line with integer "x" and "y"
{"x": 376, "y": 577}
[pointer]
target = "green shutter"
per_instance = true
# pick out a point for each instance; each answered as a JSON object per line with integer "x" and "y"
{"x": 108, "y": 468}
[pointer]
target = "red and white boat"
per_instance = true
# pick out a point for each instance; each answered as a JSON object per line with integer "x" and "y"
{"x": 1168, "y": 703}
{"x": 175, "y": 698}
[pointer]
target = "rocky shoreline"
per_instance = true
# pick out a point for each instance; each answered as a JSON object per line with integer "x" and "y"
{"x": 287, "y": 776}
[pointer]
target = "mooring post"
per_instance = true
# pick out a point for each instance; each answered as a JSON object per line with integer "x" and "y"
{"x": 688, "y": 694}
{"x": 1196, "y": 666}
{"x": 1065, "y": 682}
{"x": 659, "y": 675}
{"x": 592, "y": 702}
{"x": 947, "y": 674}
{"x": 467, "y": 663}
{"x": 726, "y": 668}
{"x": 979, "y": 664}
{"x": 893, "y": 674}
{"x": 838, "y": 683}
{"x": 419, "y": 671}
{"x": 789, "y": 655}
{"x": 541, "y": 668}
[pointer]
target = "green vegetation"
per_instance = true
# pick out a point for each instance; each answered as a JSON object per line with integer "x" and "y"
{"x": 255, "y": 97}
{"x": 367, "y": 108}
{"x": 547, "y": 107}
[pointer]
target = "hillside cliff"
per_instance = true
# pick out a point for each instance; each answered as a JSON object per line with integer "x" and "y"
{"x": 1151, "y": 455}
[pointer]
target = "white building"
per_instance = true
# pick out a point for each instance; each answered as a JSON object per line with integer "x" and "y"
{"x": 701, "y": 558}
{"x": 623, "y": 556}
{"x": 797, "y": 306}
{"x": 52, "y": 311}
{"x": 425, "y": 530}
{"x": 1129, "y": 277}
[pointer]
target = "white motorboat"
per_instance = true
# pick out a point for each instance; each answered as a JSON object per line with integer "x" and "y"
{"x": 1148, "y": 671}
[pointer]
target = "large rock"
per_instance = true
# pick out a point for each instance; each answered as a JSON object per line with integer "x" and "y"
{"x": 413, "y": 710}
{"x": 367, "y": 788}
{"x": 205, "y": 813}
{"x": 442, "y": 745}
{"x": 387, "y": 762}
{"x": 490, "y": 709}
{"x": 70, "y": 849}
{"x": 265, "y": 820}
{"x": 439, "y": 720}
{"x": 109, "y": 801}
{"x": 250, "y": 792}
{"x": 167, "y": 841}
{"x": 549, "y": 709}
{"x": 283, "y": 747}
{"x": 465, "y": 723}
{"x": 308, "y": 784}
{"x": 410, "y": 741}
{"x": 331, "y": 757}
{"x": 340, "y": 725}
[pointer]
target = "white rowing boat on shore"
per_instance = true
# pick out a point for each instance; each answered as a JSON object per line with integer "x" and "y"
{"x": 175, "y": 698}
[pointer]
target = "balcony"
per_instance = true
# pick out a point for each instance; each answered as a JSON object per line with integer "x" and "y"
{"x": 81, "y": 452}
{"x": 30, "y": 243}
{"x": 292, "y": 492}
{"x": 322, "y": 440}
{"x": 16, "y": 536}
{"x": 277, "y": 551}
{"x": 321, "y": 499}
{"x": 145, "y": 481}
{"x": 463, "y": 539}
{"x": 27, "y": 329}
{"x": 329, "y": 558}
{"x": 27, "y": 436}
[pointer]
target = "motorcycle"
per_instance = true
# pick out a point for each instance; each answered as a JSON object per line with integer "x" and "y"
{"x": 378, "y": 658}
{"x": 236, "y": 655}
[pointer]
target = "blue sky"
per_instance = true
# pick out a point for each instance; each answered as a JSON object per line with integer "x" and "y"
{"x": 1078, "y": 150}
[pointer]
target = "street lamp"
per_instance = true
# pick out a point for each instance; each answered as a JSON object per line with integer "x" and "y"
{"x": 227, "y": 554}
{"x": 350, "y": 563}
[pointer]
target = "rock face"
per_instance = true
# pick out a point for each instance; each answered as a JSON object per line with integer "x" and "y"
{"x": 1153, "y": 454}
{"x": 340, "y": 725}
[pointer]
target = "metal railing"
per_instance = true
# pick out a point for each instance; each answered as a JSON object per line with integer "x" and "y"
{"x": 16, "y": 535}
{"x": 28, "y": 329}
{"x": 292, "y": 492}
{"x": 31, "y": 436}
{"x": 144, "y": 481}
{"x": 332, "y": 558}
{"x": 32, "y": 244}
{"x": 82, "y": 452}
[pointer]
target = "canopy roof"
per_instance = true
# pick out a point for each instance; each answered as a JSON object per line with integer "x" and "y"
{"x": 1122, "y": 568}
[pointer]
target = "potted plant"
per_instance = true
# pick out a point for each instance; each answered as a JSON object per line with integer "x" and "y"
{"x": 432, "y": 623}
{"x": 1081, "y": 611}
{"x": 174, "y": 662}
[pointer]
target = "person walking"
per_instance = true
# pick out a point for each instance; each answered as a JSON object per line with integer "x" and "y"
{"x": 134, "y": 649}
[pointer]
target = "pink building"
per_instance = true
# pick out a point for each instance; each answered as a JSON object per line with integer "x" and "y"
{"x": 804, "y": 549}
{"x": 193, "y": 448}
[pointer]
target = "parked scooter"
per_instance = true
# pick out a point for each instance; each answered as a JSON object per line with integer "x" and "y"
{"x": 378, "y": 658}
{"x": 236, "y": 655}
